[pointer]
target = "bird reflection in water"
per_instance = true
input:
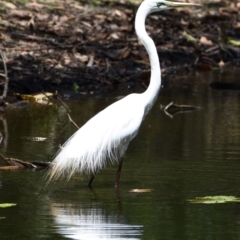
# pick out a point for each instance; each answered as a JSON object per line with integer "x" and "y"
{"x": 76, "y": 221}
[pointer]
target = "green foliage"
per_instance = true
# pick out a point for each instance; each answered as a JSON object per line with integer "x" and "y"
{"x": 75, "y": 87}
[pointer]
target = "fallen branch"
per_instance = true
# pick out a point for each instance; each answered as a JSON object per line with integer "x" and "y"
{"x": 15, "y": 163}
{"x": 172, "y": 108}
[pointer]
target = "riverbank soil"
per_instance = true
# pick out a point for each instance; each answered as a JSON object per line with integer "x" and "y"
{"x": 90, "y": 46}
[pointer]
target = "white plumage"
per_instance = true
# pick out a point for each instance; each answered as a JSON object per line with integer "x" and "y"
{"x": 104, "y": 138}
{"x": 107, "y": 135}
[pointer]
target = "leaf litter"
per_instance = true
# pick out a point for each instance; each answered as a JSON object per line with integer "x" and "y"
{"x": 56, "y": 45}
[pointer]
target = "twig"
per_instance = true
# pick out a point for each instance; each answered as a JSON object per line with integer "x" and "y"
{"x": 70, "y": 119}
{"x": 46, "y": 95}
{"x": 167, "y": 107}
{"x": 63, "y": 103}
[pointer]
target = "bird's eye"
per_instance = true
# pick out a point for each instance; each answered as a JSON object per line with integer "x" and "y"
{"x": 159, "y": 4}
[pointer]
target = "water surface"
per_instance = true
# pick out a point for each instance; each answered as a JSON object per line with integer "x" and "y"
{"x": 188, "y": 155}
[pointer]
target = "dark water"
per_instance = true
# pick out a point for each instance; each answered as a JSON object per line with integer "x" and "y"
{"x": 189, "y": 155}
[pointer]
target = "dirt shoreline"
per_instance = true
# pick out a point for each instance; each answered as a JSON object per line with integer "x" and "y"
{"x": 85, "y": 48}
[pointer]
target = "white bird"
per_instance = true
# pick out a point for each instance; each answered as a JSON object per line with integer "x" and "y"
{"x": 107, "y": 135}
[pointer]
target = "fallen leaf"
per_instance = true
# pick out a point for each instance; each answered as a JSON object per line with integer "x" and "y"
{"x": 37, "y": 97}
{"x": 221, "y": 63}
{"x": 10, "y": 168}
{"x": 8, "y": 5}
{"x": 214, "y": 199}
{"x": 5, "y": 205}
{"x": 233, "y": 42}
{"x": 34, "y": 5}
{"x": 35, "y": 139}
{"x": 141, "y": 190}
{"x": 205, "y": 41}
{"x": 189, "y": 37}
{"x": 82, "y": 58}
{"x": 114, "y": 36}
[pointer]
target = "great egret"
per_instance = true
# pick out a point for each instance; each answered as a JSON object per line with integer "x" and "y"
{"x": 108, "y": 134}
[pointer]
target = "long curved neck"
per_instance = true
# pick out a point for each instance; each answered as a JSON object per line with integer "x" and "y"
{"x": 150, "y": 95}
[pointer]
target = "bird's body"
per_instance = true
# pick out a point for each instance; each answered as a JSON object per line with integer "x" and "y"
{"x": 108, "y": 134}
{"x": 89, "y": 154}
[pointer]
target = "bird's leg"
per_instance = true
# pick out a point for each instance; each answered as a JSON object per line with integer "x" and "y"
{"x": 118, "y": 173}
{"x": 91, "y": 180}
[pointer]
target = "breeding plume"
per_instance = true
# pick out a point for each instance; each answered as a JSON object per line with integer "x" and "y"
{"x": 106, "y": 136}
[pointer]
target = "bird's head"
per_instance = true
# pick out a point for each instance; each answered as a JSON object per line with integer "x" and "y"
{"x": 158, "y": 5}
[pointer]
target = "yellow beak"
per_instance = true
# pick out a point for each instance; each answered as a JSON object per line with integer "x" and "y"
{"x": 180, "y": 4}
